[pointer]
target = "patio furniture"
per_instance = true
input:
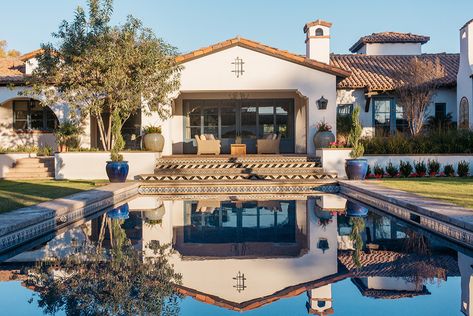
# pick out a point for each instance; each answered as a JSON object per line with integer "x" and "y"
{"x": 207, "y": 144}
{"x": 238, "y": 149}
{"x": 269, "y": 144}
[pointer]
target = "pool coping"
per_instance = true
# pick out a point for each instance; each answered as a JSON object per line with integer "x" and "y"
{"x": 24, "y": 224}
{"x": 447, "y": 219}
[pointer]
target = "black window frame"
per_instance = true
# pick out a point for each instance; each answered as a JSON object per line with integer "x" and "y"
{"x": 31, "y": 104}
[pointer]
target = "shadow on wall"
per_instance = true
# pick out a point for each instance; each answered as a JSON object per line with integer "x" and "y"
{"x": 11, "y": 139}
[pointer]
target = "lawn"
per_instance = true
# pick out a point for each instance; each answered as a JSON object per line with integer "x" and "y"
{"x": 16, "y": 194}
{"x": 454, "y": 190}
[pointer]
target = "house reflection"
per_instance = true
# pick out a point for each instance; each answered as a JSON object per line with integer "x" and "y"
{"x": 241, "y": 253}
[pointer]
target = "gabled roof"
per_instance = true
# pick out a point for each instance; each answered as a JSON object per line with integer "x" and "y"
{"x": 30, "y": 55}
{"x": 389, "y": 37}
{"x": 264, "y": 49}
{"x": 375, "y": 72}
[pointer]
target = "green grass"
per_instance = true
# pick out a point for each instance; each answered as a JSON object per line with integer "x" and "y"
{"x": 21, "y": 193}
{"x": 454, "y": 190}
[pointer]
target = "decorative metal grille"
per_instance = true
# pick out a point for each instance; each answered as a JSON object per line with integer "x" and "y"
{"x": 238, "y": 67}
{"x": 240, "y": 282}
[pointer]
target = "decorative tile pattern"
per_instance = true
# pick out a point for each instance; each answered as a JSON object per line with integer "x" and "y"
{"x": 26, "y": 234}
{"x": 236, "y": 189}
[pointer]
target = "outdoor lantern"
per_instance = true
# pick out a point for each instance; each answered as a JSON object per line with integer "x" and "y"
{"x": 322, "y": 103}
{"x": 323, "y": 244}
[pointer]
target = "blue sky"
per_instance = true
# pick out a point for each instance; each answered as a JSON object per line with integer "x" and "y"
{"x": 192, "y": 24}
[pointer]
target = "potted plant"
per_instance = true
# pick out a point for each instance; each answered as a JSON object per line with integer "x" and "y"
{"x": 121, "y": 212}
{"x": 356, "y": 167}
{"x": 153, "y": 140}
{"x": 324, "y": 136}
{"x": 155, "y": 216}
{"x": 117, "y": 169}
{"x": 67, "y": 135}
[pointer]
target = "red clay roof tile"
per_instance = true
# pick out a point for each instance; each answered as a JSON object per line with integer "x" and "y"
{"x": 389, "y": 37}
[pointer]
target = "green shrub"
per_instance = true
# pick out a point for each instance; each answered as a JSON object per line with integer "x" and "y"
{"x": 449, "y": 171}
{"x": 368, "y": 171}
{"x": 433, "y": 166}
{"x": 391, "y": 170}
{"x": 405, "y": 169}
{"x": 463, "y": 168}
{"x": 45, "y": 151}
{"x": 421, "y": 168}
{"x": 354, "y": 139}
{"x": 378, "y": 171}
{"x": 151, "y": 129}
{"x": 434, "y": 142}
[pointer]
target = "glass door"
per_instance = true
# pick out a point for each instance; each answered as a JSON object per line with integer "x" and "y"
{"x": 247, "y": 127}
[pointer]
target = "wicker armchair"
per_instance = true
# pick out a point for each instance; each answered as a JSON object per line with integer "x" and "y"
{"x": 269, "y": 144}
{"x": 207, "y": 146}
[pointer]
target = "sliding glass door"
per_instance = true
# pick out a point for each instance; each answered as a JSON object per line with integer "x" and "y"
{"x": 247, "y": 119}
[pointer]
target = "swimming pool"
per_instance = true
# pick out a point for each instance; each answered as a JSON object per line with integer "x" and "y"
{"x": 257, "y": 254}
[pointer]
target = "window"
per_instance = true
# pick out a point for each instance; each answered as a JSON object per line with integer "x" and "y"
{"x": 464, "y": 113}
{"x": 440, "y": 110}
{"x": 344, "y": 110}
{"x": 31, "y": 115}
{"x": 319, "y": 32}
{"x": 388, "y": 117}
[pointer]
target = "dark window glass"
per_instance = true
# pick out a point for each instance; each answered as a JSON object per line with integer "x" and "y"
{"x": 30, "y": 115}
{"x": 440, "y": 110}
{"x": 401, "y": 122}
{"x": 319, "y": 32}
{"x": 382, "y": 117}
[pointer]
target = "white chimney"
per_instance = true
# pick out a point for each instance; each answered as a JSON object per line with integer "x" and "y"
{"x": 318, "y": 40}
{"x": 465, "y": 78}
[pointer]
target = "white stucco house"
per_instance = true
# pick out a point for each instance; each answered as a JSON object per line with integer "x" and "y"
{"x": 242, "y": 88}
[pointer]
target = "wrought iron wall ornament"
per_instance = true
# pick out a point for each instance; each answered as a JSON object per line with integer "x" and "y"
{"x": 240, "y": 282}
{"x": 238, "y": 67}
{"x": 322, "y": 103}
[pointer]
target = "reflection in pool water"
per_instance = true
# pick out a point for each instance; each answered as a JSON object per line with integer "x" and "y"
{"x": 247, "y": 254}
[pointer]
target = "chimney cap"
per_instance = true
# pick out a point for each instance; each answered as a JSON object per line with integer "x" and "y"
{"x": 316, "y": 22}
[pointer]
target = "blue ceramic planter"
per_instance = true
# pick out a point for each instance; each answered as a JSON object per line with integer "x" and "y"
{"x": 356, "y": 168}
{"x": 121, "y": 212}
{"x": 354, "y": 209}
{"x": 117, "y": 171}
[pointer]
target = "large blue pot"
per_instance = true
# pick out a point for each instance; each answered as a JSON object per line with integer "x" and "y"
{"x": 354, "y": 209}
{"x": 121, "y": 212}
{"x": 117, "y": 171}
{"x": 356, "y": 168}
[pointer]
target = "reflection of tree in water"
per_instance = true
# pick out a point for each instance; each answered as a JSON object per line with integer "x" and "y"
{"x": 116, "y": 281}
{"x": 358, "y": 225}
{"x": 425, "y": 267}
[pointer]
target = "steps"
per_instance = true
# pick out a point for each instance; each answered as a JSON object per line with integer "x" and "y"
{"x": 32, "y": 168}
{"x": 228, "y": 168}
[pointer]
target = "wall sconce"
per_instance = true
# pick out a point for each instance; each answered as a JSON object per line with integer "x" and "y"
{"x": 322, "y": 103}
{"x": 323, "y": 244}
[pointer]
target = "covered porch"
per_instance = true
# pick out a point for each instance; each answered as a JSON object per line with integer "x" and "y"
{"x": 240, "y": 117}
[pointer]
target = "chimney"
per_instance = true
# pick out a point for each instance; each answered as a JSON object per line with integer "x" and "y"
{"x": 318, "y": 40}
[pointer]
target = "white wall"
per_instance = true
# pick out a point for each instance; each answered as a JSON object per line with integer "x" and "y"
{"x": 333, "y": 160}
{"x": 8, "y": 136}
{"x": 464, "y": 81}
{"x": 91, "y": 165}
{"x": 393, "y": 49}
{"x": 262, "y": 73}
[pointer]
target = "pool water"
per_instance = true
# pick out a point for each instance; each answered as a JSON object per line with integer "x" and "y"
{"x": 224, "y": 255}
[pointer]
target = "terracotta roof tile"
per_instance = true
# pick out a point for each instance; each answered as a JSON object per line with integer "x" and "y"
{"x": 375, "y": 72}
{"x": 389, "y": 37}
{"x": 256, "y": 46}
{"x": 12, "y": 70}
{"x": 316, "y": 22}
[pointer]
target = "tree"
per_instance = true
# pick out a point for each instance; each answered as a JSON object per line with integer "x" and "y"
{"x": 116, "y": 281}
{"x": 101, "y": 71}
{"x": 415, "y": 85}
{"x": 10, "y": 53}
